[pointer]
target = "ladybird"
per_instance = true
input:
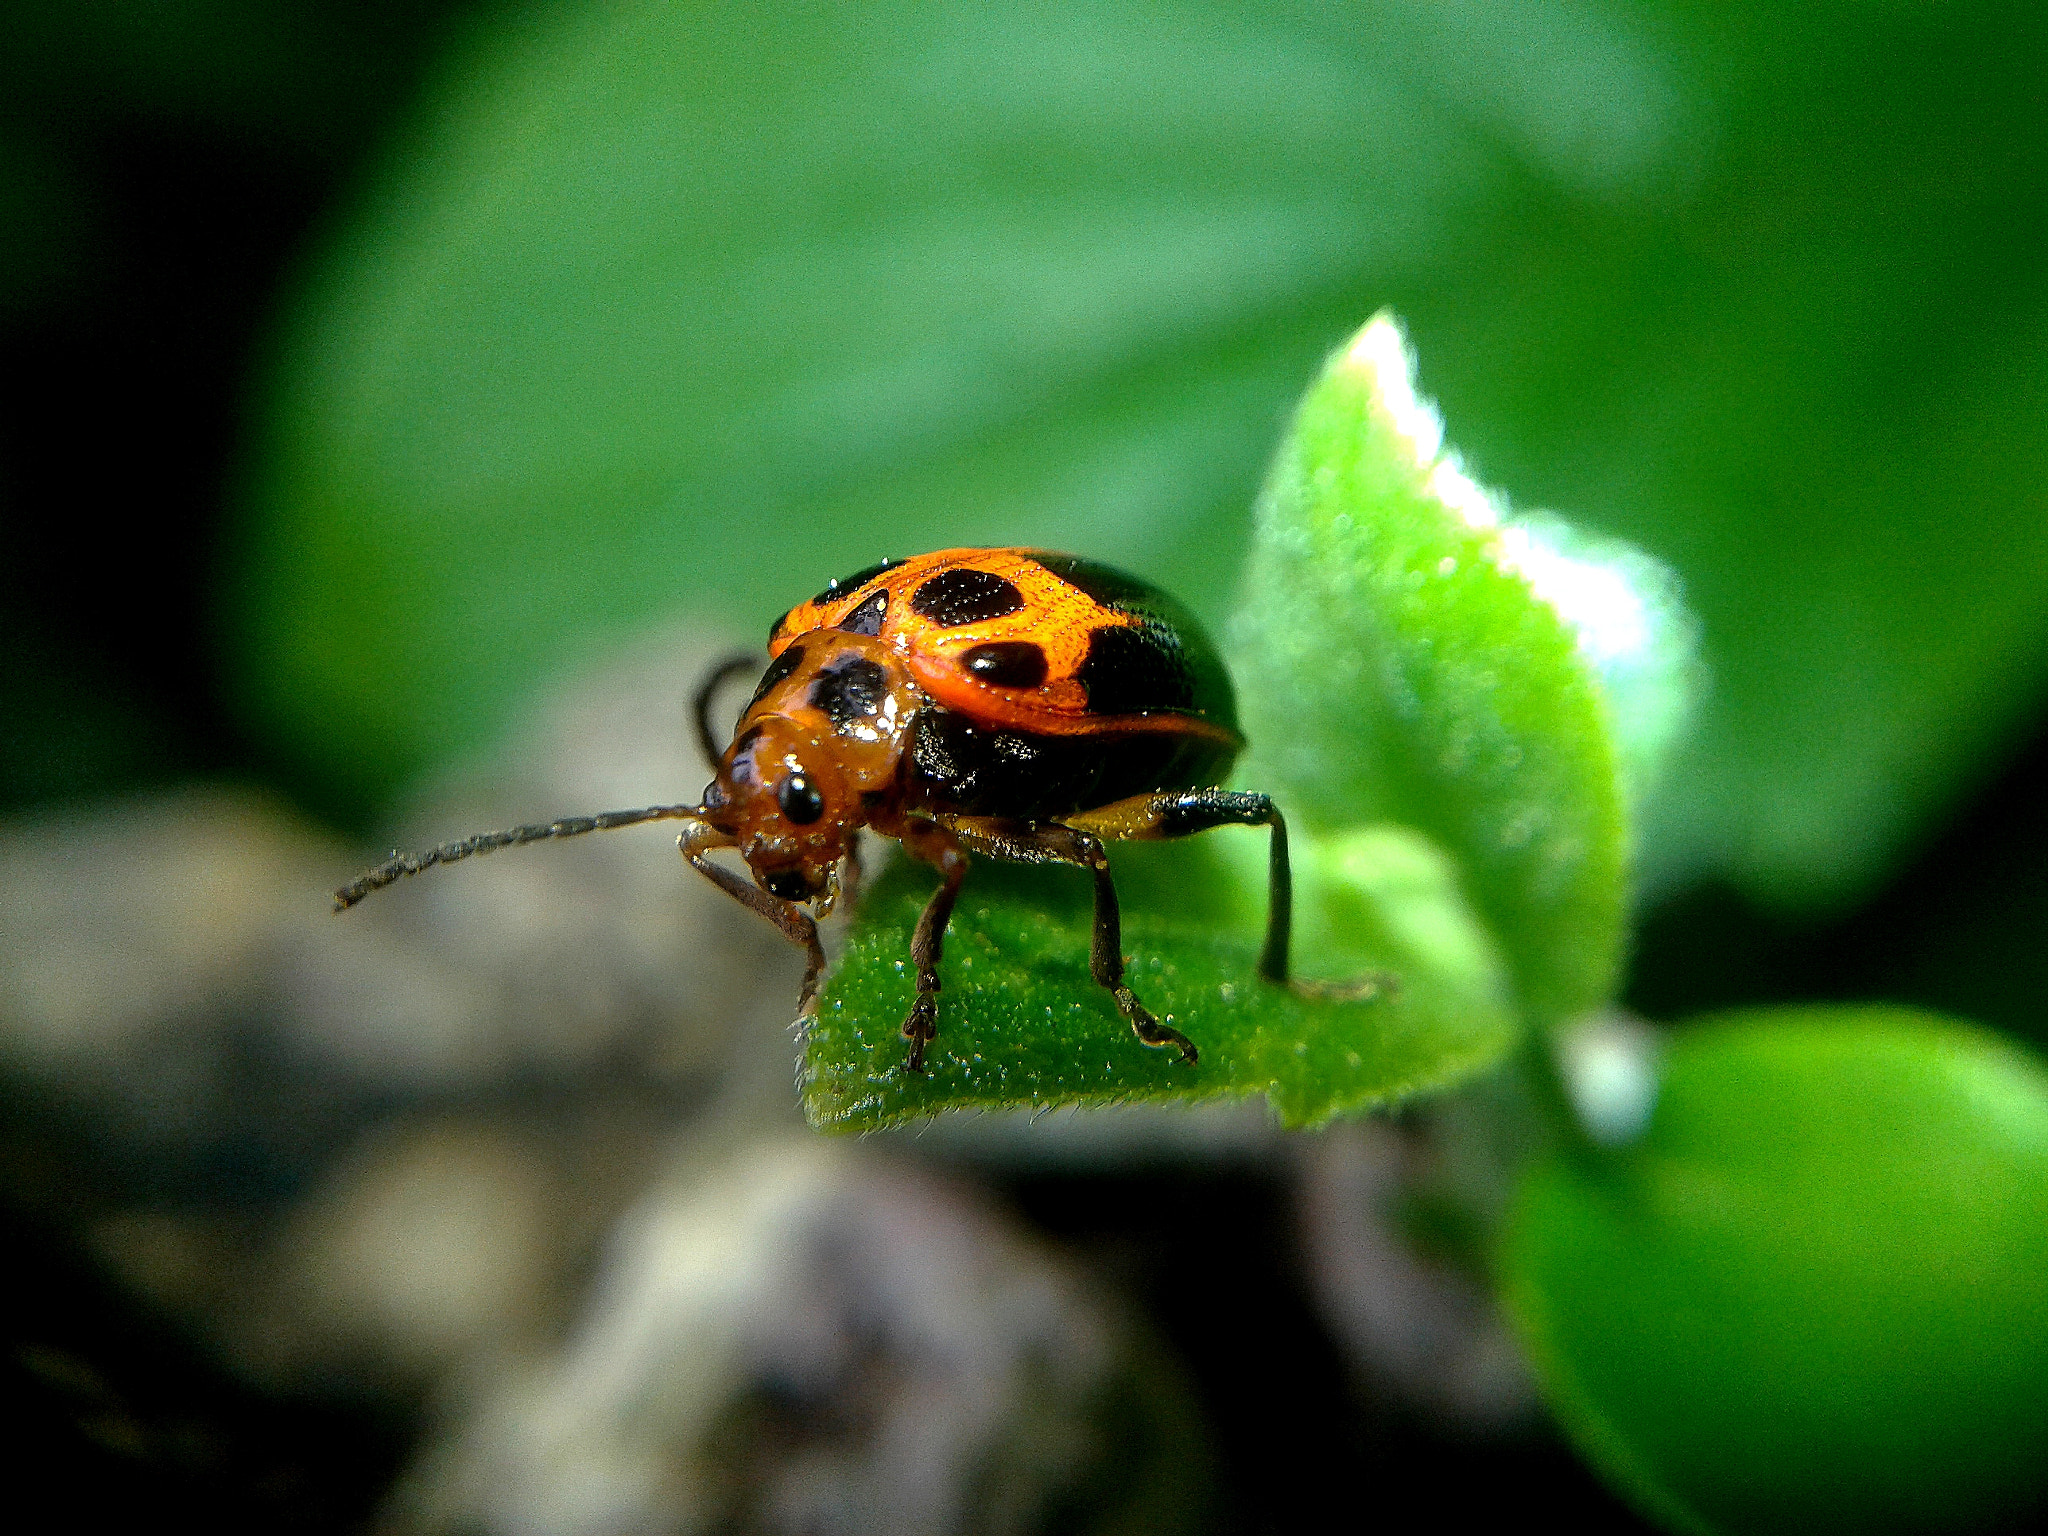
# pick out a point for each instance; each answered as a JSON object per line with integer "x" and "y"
{"x": 1014, "y": 703}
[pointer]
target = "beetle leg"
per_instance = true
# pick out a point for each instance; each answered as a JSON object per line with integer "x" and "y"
{"x": 1182, "y": 813}
{"x": 1054, "y": 843}
{"x": 936, "y": 846}
{"x": 721, "y": 671}
{"x": 795, "y": 923}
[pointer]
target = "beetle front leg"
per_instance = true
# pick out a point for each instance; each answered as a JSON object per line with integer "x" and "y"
{"x": 795, "y": 923}
{"x": 938, "y": 847}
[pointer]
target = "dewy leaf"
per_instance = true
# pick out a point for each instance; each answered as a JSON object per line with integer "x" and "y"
{"x": 1412, "y": 658}
{"x": 1811, "y": 1297}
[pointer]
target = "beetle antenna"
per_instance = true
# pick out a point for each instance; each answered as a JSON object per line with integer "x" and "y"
{"x": 731, "y": 667}
{"x": 399, "y": 865}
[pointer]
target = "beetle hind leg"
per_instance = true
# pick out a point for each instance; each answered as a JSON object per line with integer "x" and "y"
{"x": 1184, "y": 812}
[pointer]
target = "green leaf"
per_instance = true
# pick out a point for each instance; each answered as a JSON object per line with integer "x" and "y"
{"x": 1412, "y": 658}
{"x": 1815, "y": 1295}
{"x": 1022, "y": 1022}
{"x": 1423, "y": 686}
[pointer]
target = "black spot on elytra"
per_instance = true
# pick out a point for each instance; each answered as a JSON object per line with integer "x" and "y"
{"x": 847, "y": 585}
{"x": 778, "y": 670}
{"x": 849, "y": 689}
{"x": 965, "y": 596}
{"x": 1132, "y": 668}
{"x": 867, "y": 618}
{"x": 1007, "y": 663}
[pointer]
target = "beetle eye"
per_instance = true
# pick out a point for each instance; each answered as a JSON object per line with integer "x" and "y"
{"x": 800, "y": 800}
{"x": 788, "y": 884}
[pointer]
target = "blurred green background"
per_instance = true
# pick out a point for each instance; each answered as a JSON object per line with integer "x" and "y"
{"x": 401, "y": 400}
{"x": 370, "y": 365}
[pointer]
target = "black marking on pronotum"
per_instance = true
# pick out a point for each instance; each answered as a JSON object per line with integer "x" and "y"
{"x": 778, "y": 670}
{"x": 1007, "y": 663}
{"x": 845, "y": 586}
{"x": 799, "y": 800}
{"x": 965, "y": 596}
{"x": 849, "y": 689}
{"x": 867, "y": 618}
{"x": 1133, "y": 668}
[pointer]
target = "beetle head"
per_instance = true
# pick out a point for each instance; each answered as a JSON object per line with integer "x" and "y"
{"x": 781, "y": 795}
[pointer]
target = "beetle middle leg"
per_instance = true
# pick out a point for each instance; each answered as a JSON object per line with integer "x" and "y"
{"x": 938, "y": 847}
{"x": 1054, "y": 843}
{"x": 1184, "y": 812}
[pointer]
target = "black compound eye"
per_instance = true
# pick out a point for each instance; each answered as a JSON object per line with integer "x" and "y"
{"x": 1007, "y": 663}
{"x": 789, "y": 884}
{"x": 800, "y": 800}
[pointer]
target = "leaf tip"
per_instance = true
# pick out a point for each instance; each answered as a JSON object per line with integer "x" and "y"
{"x": 1380, "y": 358}
{"x": 1379, "y": 364}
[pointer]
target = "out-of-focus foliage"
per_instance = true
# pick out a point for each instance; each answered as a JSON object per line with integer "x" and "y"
{"x": 669, "y": 306}
{"x": 1812, "y": 1296}
{"x": 158, "y": 165}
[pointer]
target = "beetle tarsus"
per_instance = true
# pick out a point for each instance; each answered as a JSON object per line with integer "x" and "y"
{"x": 920, "y": 1029}
{"x": 1149, "y": 1030}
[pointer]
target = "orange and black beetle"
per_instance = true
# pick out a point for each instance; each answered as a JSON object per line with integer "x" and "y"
{"x": 1010, "y": 702}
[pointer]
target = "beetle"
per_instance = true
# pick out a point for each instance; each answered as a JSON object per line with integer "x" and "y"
{"x": 1015, "y": 703}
